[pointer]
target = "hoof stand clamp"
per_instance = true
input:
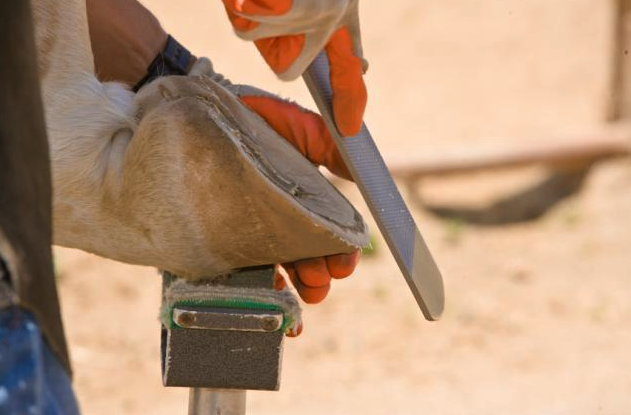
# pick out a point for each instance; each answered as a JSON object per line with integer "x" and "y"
{"x": 220, "y": 343}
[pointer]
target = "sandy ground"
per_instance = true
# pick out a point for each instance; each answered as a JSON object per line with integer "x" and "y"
{"x": 538, "y": 319}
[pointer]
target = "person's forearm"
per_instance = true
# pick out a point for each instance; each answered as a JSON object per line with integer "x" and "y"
{"x": 125, "y": 38}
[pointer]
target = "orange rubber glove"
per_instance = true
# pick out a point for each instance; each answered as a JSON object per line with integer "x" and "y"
{"x": 306, "y": 131}
{"x": 312, "y": 277}
{"x": 290, "y": 33}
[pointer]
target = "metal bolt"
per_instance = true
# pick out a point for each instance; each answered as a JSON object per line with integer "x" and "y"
{"x": 270, "y": 324}
{"x": 186, "y": 319}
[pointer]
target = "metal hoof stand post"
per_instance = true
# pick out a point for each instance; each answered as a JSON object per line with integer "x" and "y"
{"x": 221, "y": 352}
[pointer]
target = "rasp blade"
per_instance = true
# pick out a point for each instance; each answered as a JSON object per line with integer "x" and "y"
{"x": 383, "y": 198}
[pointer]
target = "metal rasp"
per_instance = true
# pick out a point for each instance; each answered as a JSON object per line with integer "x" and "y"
{"x": 382, "y": 197}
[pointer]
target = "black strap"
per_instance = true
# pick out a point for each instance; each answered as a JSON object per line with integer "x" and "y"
{"x": 174, "y": 59}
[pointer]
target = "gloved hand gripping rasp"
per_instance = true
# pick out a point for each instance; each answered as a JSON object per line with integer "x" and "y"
{"x": 289, "y": 34}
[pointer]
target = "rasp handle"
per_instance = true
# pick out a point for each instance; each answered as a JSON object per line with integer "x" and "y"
{"x": 382, "y": 197}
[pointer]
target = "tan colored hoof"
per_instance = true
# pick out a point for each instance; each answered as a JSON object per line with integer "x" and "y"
{"x": 258, "y": 199}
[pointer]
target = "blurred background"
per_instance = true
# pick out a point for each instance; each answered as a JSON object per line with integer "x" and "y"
{"x": 538, "y": 317}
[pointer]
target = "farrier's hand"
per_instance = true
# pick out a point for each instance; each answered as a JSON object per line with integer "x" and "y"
{"x": 290, "y": 33}
{"x": 306, "y": 131}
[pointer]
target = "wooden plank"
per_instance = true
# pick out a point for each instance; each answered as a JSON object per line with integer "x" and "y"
{"x": 563, "y": 155}
{"x": 620, "y": 103}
